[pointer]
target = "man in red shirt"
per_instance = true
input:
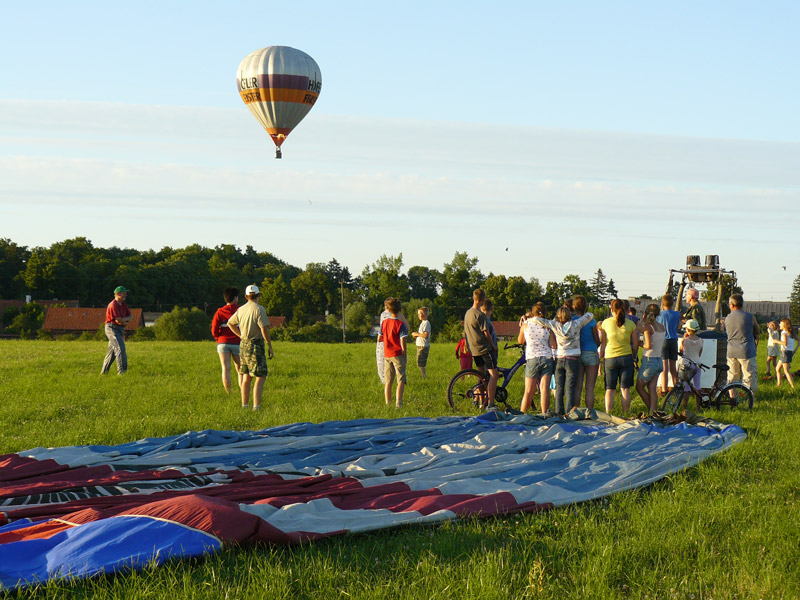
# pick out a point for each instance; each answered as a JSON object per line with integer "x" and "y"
{"x": 117, "y": 316}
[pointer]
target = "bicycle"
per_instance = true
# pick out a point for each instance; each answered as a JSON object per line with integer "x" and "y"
{"x": 467, "y": 388}
{"x": 728, "y": 394}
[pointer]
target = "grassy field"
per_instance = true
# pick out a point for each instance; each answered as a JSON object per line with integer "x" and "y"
{"x": 729, "y": 528}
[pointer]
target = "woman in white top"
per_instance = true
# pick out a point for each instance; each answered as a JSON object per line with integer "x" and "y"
{"x": 773, "y": 348}
{"x": 568, "y": 355}
{"x": 653, "y": 333}
{"x": 788, "y": 346}
{"x": 540, "y": 366}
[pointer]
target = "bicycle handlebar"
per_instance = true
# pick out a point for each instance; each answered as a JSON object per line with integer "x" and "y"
{"x": 686, "y": 358}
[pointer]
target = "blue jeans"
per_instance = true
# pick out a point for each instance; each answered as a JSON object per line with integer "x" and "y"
{"x": 566, "y": 377}
{"x": 116, "y": 349}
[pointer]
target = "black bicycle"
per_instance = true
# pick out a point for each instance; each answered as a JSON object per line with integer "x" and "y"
{"x": 467, "y": 388}
{"x": 734, "y": 395}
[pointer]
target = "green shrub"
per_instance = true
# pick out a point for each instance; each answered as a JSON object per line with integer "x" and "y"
{"x": 67, "y": 337}
{"x": 318, "y": 332}
{"x": 144, "y": 334}
{"x": 27, "y": 321}
{"x": 92, "y": 336}
{"x": 183, "y": 324}
{"x": 452, "y": 330}
{"x": 8, "y": 316}
{"x": 358, "y": 320}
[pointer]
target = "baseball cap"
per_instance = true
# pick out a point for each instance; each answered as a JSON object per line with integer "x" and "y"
{"x": 252, "y": 289}
{"x": 120, "y": 288}
{"x": 692, "y": 324}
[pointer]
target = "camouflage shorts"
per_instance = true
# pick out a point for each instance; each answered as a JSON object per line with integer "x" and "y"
{"x": 252, "y": 358}
{"x": 422, "y": 355}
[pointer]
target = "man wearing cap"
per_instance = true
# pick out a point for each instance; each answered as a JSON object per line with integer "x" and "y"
{"x": 251, "y": 324}
{"x": 695, "y": 310}
{"x": 117, "y": 316}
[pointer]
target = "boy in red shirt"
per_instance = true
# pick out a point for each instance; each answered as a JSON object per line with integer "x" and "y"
{"x": 393, "y": 335}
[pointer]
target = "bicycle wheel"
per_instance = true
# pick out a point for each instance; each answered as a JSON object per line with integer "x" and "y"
{"x": 466, "y": 390}
{"x": 672, "y": 401}
{"x": 735, "y": 395}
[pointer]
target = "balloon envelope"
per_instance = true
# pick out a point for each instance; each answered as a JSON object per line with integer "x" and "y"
{"x": 279, "y": 85}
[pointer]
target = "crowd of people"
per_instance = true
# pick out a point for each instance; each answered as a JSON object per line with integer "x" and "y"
{"x": 570, "y": 350}
{"x": 567, "y": 353}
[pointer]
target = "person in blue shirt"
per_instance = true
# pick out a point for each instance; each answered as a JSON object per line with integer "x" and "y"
{"x": 670, "y": 319}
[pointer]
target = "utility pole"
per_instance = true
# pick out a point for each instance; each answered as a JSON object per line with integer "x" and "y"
{"x": 341, "y": 288}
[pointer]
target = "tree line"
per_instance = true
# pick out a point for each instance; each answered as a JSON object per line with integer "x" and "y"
{"x": 75, "y": 269}
{"x": 195, "y": 276}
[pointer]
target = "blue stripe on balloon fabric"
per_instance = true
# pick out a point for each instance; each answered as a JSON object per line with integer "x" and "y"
{"x": 102, "y": 546}
{"x": 211, "y": 438}
{"x": 341, "y": 442}
{"x": 365, "y": 435}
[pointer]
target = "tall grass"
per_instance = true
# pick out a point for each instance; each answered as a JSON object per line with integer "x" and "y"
{"x": 728, "y": 528}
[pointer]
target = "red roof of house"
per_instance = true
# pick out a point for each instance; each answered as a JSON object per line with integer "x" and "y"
{"x": 275, "y": 322}
{"x": 506, "y": 328}
{"x": 84, "y": 319}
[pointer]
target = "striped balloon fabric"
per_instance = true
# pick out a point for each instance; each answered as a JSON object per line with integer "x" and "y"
{"x": 84, "y": 510}
{"x": 279, "y": 85}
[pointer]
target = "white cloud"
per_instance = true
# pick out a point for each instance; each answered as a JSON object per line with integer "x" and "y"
{"x": 356, "y": 188}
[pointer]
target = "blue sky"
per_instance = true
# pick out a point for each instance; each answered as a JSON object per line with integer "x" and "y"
{"x": 580, "y": 135}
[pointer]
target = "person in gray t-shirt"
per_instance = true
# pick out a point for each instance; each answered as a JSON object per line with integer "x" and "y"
{"x": 742, "y": 329}
{"x": 479, "y": 342}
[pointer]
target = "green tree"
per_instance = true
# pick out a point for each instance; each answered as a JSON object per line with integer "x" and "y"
{"x": 314, "y": 292}
{"x": 555, "y": 294}
{"x": 519, "y": 299}
{"x": 384, "y": 279}
{"x": 575, "y": 286}
{"x": 50, "y": 274}
{"x": 495, "y": 288}
{"x": 338, "y": 273}
{"x": 536, "y": 290}
{"x": 511, "y": 295}
{"x": 459, "y": 278}
{"x": 12, "y": 264}
{"x": 423, "y": 282}
{"x": 183, "y": 324}
{"x": 276, "y": 297}
{"x": 225, "y": 273}
{"x": 599, "y": 288}
{"x": 794, "y": 302}
{"x": 611, "y": 290}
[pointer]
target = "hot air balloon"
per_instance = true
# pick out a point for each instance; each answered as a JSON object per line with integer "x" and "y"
{"x": 279, "y": 85}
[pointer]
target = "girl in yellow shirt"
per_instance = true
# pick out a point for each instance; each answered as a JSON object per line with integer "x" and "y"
{"x": 619, "y": 344}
